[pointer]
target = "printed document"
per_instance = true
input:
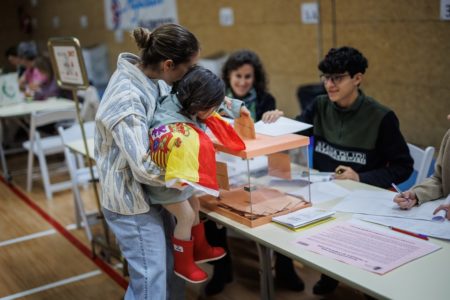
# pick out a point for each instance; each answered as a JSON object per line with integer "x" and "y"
{"x": 374, "y": 249}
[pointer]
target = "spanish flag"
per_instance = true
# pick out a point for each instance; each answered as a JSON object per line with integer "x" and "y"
{"x": 187, "y": 153}
{"x": 224, "y": 132}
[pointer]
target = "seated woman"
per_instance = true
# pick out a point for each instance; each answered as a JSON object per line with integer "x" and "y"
{"x": 179, "y": 145}
{"x": 245, "y": 79}
{"x": 435, "y": 187}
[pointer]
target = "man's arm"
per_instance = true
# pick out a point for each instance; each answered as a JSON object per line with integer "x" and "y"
{"x": 392, "y": 147}
{"x": 307, "y": 116}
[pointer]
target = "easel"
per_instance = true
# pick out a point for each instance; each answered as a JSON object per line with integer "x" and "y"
{"x": 70, "y": 72}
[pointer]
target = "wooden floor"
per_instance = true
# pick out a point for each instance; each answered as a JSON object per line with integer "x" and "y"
{"x": 38, "y": 262}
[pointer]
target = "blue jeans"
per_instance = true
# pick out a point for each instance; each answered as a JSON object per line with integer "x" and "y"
{"x": 145, "y": 242}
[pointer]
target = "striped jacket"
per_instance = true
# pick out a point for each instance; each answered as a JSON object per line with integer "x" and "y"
{"x": 121, "y": 137}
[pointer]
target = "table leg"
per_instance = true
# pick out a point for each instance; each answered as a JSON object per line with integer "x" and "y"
{"x": 266, "y": 279}
{"x": 2, "y": 156}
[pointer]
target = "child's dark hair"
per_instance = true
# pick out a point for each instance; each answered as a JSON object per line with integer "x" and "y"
{"x": 168, "y": 41}
{"x": 199, "y": 90}
{"x": 343, "y": 59}
{"x": 43, "y": 64}
{"x": 243, "y": 57}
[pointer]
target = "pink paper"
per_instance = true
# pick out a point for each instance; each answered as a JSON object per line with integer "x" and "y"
{"x": 372, "y": 249}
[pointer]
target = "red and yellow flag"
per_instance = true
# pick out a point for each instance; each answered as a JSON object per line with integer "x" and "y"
{"x": 224, "y": 132}
{"x": 187, "y": 153}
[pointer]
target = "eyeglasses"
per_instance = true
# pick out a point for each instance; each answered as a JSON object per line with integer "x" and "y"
{"x": 335, "y": 78}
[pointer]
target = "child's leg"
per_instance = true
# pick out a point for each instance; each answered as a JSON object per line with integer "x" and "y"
{"x": 185, "y": 216}
{"x": 183, "y": 245}
{"x": 203, "y": 252}
{"x": 195, "y": 205}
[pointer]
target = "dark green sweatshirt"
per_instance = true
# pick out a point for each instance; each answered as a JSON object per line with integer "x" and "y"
{"x": 365, "y": 136}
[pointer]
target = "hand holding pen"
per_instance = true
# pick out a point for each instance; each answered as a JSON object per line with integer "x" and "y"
{"x": 405, "y": 200}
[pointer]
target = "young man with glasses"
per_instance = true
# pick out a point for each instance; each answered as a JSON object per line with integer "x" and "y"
{"x": 354, "y": 136}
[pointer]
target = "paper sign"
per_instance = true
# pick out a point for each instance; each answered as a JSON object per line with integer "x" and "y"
{"x": 68, "y": 64}
{"x": 9, "y": 89}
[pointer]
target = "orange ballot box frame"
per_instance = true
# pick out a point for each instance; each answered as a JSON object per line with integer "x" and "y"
{"x": 250, "y": 202}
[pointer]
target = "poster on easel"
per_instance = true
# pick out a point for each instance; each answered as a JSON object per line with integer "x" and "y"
{"x": 68, "y": 63}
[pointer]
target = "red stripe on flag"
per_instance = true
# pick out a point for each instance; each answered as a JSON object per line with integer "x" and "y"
{"x": 224, "y": 132}
{"x": 206, "y": 161}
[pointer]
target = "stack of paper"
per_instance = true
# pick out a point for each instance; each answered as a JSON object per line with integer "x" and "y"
{"x": 302, "y": 217}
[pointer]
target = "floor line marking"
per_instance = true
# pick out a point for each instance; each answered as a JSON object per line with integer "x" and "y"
{"x": 33, "y": 236}
{"x": 52, "y": 285}
{"x": 64, "y": 232}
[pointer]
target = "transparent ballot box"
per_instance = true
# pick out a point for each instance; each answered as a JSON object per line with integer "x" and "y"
{"x": 261, "y": 181}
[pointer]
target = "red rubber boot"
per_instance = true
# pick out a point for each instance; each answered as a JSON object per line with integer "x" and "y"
{"x": 184, "y": 265}
{"x": 203, "y": 251}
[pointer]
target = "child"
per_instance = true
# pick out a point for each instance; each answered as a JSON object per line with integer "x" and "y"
{"x": 179, "y": 145}
{"x": 47, "y": 86}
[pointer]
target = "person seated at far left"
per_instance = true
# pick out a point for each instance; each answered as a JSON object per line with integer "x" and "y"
{"x": 14, "y": 61}
{"x": 32, "y": 77}
{"x": 435, "y": 187}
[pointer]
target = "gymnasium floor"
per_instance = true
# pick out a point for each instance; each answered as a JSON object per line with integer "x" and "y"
{"x": 44, "y": 256}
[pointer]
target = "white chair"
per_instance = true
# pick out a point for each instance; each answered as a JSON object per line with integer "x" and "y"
{"x": 79, "y": 174}
{"x": 422, "y": 161}
{"x": 90, "y": 104}
{"x": 44, "y": 146}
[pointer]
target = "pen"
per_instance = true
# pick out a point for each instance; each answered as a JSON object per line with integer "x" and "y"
{"x": 398, "y": 190}
{"x": 417, "y": 235}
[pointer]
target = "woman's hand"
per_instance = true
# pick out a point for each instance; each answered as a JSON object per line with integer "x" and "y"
{"x": 406, "y": 200}
{"x": 271, "y": 116}
{"x": 444, "y": 207}
{"x": 343, "y": 172}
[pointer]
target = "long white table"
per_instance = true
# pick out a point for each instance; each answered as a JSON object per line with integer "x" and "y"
{"x": 424, "y": 278}
{"x": 25, "y": 109}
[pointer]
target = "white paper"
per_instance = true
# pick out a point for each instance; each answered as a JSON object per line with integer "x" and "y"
{"x": 380, "y": 203}
{"x": 280, "y": 127}
{"x": 318, "y": 177}
{"x": 439, "y": 230}
{"x": 321, "y": 192}
{"x": 303, "y": 217}
{"x": 363, "y": 245}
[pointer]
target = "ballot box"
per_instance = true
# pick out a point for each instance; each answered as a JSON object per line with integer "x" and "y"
{"x": 261, "y": 181}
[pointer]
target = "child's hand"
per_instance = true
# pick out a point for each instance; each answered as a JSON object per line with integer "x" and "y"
{"x": 228, "y": 102}
{"x": 244, "y": 111}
